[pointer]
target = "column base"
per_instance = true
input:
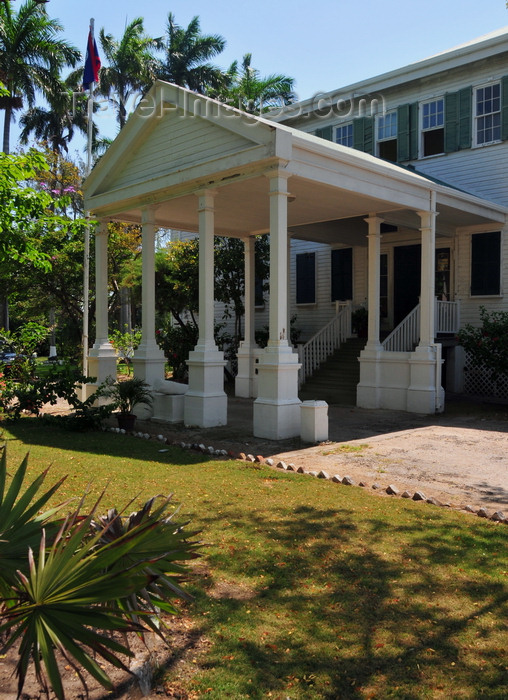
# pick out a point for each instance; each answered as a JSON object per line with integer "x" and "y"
{"x": 206, "y": 404}
{"x": 205, "y": 410}
{"x": 276, "y": 420}
{"x": 246, "y": 378}
{"x": 102, "y": 362}
{"x": 425, "y": 394}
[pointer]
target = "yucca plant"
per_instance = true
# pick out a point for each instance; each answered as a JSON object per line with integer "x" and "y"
{"x": 20, "y": 520}
{"x": 67, "y": 586}
{"x": 160, "y": 546}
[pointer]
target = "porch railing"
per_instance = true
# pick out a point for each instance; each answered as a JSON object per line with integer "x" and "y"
{"x": 406, "y": 335}
{"x": 324, "y": 342}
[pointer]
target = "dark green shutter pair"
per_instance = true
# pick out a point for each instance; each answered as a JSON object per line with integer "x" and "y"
{"x": 407, "y": 132}
{"x": 458, "y": 116}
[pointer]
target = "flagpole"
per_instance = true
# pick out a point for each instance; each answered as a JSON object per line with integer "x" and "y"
{"x": 86, "y": 261}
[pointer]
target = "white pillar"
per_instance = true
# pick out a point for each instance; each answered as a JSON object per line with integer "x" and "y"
{"x": 206, "y": 402}
{"x": 374, "y": 241}
{"x": 148, "y": 361}
{"x": 425, "y": 394}
{"x": 368, "y": 388}
{"x": 102, "y": 357}
{"x": 244, "y": 382}
{"x": 277, "y": 408}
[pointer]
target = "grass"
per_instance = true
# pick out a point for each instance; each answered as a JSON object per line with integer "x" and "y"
{"x": 308, "y": 589}
{"x": 348, "y": 449}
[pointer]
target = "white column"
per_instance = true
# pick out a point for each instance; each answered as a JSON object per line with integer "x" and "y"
{"x": 428, "y": 283}
{"x": 102, "y": 357}
{"x": 425, "y": 394}
{"x": 205, "y": 403}
{"x": 368, "y": 389}
{"x": 244, "y": 381}
{"x": 148, "y": 360}
{"x": 277, "y": 408}
{"x": 374, "y": 262}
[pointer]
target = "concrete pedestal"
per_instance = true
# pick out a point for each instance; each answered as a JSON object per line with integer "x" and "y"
{"x": 206, "y": 404}
{"x": 314, "y": 421}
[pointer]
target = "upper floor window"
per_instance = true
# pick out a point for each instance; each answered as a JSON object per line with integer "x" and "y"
{"x": 344, "y": 135}
{"x": 433, "y": 127}
{"x": 488, "y": 114}
{"x": 486, "y": 263}
{"x": 386, "y": 133}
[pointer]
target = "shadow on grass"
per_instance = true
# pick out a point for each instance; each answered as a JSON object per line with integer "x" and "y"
{"x": 350, "y": 608}
{"x": 32, "y": 431}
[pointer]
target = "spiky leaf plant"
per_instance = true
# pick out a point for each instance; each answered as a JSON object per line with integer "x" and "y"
{"x": 20, "y": 521}
{"x": 161, "y": 544}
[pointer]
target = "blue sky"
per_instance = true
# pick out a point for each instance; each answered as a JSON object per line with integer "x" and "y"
{"x": 323, "y": 44}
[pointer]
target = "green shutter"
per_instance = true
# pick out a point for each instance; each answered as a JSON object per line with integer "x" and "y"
{"x": 504, "y": 108}
{"x": 407, "y": 132}
{"x": 363, "y": 134}
{"x": 451, "y": 140}
{"x": 325, "y": 133}
{"x": 458, "y": 120}
{"x": 465, "y": 106}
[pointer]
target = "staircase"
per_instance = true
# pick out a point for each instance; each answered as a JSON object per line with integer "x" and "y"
{"x": 336, "y": 379}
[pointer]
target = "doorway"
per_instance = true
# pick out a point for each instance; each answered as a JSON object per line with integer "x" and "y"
{"x": 407, "y": 261}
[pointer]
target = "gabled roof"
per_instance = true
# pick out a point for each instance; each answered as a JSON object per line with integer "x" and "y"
{"x": 177, "y": 143}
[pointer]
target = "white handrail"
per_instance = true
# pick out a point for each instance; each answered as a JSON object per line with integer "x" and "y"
{"x": 324, "y": 342}
{"x": 404, "y": 337}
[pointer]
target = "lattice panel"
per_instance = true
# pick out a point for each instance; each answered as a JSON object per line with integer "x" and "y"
{"x": 478, "y": 383}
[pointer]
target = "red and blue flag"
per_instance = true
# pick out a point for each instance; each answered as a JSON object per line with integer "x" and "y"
{"x": 92, "y": 63}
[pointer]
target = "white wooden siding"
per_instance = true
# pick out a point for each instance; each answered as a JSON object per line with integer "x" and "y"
{"x": 182, "y": 143}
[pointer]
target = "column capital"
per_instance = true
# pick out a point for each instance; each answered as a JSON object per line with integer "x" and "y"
{"x": 206, "y": 197}
{"x": 102, "y": 228}
{"x": 427, "y": 218}
{"x": 148, "y": 214}
{"x": 277, "y": 174}
{"x": 373, "y": 220}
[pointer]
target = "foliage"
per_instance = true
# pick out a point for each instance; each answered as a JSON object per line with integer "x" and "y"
{"x": 360, "y": 320}
{"x": 125, "y": 343}
{"x": 130, "y": 68}
{"x": 26, "y": 212}
{"x": 186, "y": 56}
{"x": 176, "y": 342}
{"x": 20, "y": 520}
{"x": 487, "y": 345}
{"x": 161, "y": 547}
{"x": 80, "y": 586}
{"x": 31, "y": 56}
{"x": 246, "y": 90}
{"x": 177, "y": 280}
{"x": 262, "y": 335}
{"x": 127, "y": 393}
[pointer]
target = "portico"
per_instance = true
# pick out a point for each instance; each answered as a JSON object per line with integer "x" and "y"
{"x": 189, "y": 163}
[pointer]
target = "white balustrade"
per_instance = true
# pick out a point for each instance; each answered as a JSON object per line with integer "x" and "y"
{"x": 325, "y": 342}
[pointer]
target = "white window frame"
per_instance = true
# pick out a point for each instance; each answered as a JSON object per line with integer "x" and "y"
{"x": 341, "y": 127}
{"x": 424, "y": 130}
{"x": 477, "y": 117}
{"x": 381, "y": 118}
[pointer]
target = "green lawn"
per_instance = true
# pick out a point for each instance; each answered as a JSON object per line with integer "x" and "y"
{"x": 307, "y": 589}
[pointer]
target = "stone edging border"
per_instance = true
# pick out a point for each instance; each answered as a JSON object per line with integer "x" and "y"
{"x": 391, "y": 490}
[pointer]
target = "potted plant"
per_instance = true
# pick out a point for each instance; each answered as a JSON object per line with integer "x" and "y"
{"x": 128, "y": 394}
{"x": 360, "y": 321}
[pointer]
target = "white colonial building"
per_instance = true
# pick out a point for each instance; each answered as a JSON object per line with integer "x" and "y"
{"x": 390, "y": 194}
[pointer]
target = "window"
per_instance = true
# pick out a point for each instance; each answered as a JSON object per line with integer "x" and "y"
{"x": 433, "y": 127}
{"x": 342, "y": 274}
{"x": 344, "y": 135}
{"x": 306, "y": 278}
{"x": 488, "y": 114}
{"x": 486, "y": 264}
{"x": 387, "y": 136}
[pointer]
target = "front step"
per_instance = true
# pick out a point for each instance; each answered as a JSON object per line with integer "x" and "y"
{"x": 336, "y": 379}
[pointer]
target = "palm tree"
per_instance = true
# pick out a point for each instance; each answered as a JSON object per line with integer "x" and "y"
{"x": 251, "y": 93}
{"x": 67, "y": 111}
{"x": 187, "y": 53}
{"x": 131, "y": 66}
{"x": 31, "y": 57}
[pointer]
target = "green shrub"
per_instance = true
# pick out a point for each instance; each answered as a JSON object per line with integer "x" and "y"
{"x": 487, "y": 345}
